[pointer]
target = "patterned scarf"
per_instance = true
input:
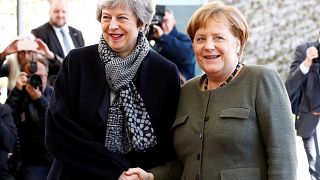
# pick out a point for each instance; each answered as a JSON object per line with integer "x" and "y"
{"x": 128, "y": 125}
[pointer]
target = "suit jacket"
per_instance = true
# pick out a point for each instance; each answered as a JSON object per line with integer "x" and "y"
{"x": 77, "y": 116}
{"x": 308, "y": 85}
{"x": 47, "y": 34}
{"x": 241, "y": 131}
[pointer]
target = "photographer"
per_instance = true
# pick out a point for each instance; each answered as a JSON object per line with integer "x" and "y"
{"x": 303, "y": 84}
{"x": 174, "y": 45}
{"x": 29, "y": 100}
{"x": 22, "y": 50}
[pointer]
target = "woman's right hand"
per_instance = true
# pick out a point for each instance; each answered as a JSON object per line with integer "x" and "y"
{"x": 10, "y": 49}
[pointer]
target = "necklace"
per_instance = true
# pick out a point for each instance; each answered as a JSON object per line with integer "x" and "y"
{"x": 228, "y": 79}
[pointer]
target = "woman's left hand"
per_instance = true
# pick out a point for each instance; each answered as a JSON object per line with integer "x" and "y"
{"x": 136, "y": 174}
{"x": 43, "y": 49}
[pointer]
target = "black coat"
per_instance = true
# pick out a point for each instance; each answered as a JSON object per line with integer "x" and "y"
{"x": 29, "y": 117}
{"x": 8, "y": 134}
{"x": 77, "y": 115}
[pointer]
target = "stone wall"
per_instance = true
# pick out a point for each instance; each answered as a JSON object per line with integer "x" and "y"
{"x": 276, "y": 28}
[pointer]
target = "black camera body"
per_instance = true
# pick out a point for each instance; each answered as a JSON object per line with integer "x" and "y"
{"x": 34, "y": 79}
{"x": 317, "y": 60}
{"x": 157, "y": 19}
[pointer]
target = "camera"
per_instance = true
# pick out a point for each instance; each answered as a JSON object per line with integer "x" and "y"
{"x": 157, "y": 19}
{"x": 27, "y": 45}
{"x": 34, "y": 79}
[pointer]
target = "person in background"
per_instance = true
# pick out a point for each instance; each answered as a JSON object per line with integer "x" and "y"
{"x": 58, "y": 35}
{"x": 29, "y": 101}
{"x": 21, "y": 50}
{"x": 240, "y": 124}
{"x": 303, "y": 83}
{"x": 113, "y": 102}
{"x": 8, "y": 135}
{"x": 174, "y": 45}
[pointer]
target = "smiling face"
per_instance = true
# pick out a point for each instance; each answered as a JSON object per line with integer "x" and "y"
{"x": 58, "y": 13}
{"x": 216, "y": 48}
{"x": 120, "y": 29}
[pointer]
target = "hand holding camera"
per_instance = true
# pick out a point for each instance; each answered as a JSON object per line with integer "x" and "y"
{"x": 23, "y": 84}
{"x": 10, "y": 49}
{"x": 22, "y": 80}
{"x": 157, "y": 31}
{"x": 31, "y": 83}
{"x": 311, "y": 55}
{"x": 44, "y": 49}
{"x": 27, "y": 45}
{"x": 156, "y": 22}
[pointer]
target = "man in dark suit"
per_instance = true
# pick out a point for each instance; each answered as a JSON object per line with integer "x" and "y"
{"x": 304, "y": 78}
{"x": 59, "y": 37}
{"x": 175, "y": 46}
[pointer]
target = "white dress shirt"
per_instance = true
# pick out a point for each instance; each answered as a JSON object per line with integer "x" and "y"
{"x": 59, "y": 35}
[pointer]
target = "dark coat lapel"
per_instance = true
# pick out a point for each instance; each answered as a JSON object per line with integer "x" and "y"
{"x": 55, "y": 40}
{"x": 75, "y": 39}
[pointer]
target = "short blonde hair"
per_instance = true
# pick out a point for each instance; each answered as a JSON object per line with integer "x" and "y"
{"x": 217, "y": 10}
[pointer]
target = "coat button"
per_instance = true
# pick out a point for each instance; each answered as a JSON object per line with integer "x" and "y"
{"x": 197, "y": 177}
{"x": 206, "y": 118}
{"x": 199, "y": 135}
{"x": 198, "y": 156}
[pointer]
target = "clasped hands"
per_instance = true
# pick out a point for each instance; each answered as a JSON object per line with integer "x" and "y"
{"x": 136, "y": 174}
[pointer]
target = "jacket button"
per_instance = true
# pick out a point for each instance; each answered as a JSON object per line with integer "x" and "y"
{"x": 199, "y": 135}
{"x": 198, "y": 156}
{"x": 206, "y": 118}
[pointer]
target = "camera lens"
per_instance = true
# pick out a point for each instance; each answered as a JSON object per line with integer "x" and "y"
{"x": 35, "y": 80}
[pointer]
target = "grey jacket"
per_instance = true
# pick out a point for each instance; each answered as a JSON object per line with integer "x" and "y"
{"x": 241, "y": 131}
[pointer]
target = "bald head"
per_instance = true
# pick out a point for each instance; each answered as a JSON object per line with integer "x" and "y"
{"x": 58, "y": 12}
